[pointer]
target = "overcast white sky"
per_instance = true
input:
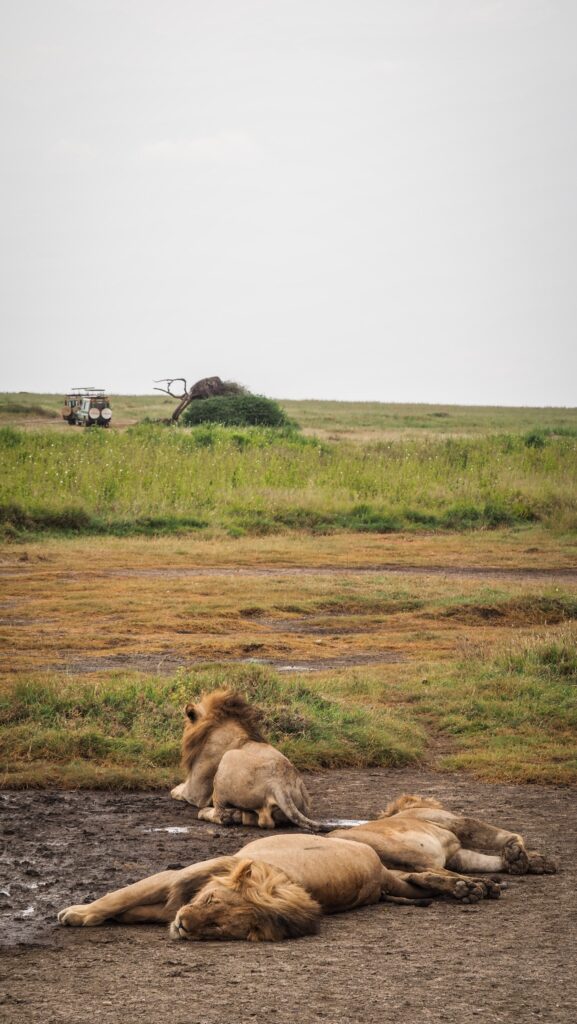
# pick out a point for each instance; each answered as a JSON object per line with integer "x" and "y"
{"x": 353, "y": 199}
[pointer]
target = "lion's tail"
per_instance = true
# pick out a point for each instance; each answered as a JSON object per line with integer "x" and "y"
{"x": 291, "y": 811}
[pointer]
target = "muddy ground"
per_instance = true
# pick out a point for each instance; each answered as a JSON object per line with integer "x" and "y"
{"x": 507, "y": 960}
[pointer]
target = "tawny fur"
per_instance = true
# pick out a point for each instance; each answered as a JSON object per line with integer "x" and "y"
{"x": 266, "y": 905}
{"x": 419, "y": 834}
{"x": 277, "y": 887}
{"x": 233, "y": 775}
{"x": 273, "y": 888}
{"x": 402, "y": 803}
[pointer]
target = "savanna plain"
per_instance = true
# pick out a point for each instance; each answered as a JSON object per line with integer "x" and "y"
{"x": 396, "y": 588}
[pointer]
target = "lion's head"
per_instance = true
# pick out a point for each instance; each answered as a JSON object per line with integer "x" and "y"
{"x": 408, "y": 801}
{"x": 212, "y": 710}
{"x": 254, "y": 901}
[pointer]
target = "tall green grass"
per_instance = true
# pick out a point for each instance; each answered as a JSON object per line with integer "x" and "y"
{"x": 254, "y": 480}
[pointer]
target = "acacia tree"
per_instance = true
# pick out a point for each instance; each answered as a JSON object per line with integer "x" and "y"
{"x": 208, "y": 387}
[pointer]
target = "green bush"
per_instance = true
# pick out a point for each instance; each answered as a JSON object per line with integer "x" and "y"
{"x": 535, "y": 439}
{"x": 236, "y": 411}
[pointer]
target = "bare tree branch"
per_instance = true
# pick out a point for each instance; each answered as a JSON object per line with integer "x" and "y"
{"x": 170, "y": 381}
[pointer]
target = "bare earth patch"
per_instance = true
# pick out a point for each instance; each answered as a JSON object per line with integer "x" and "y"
{"x": 182, "y": 572}
{"x": 510, "y": 960}
{"x": 161, "y": 665}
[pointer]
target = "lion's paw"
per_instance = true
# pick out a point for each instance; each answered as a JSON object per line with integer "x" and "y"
{"x": 469, "y": 890}
{"x": 541, "y": 865}
{"x": 493, "y": 887}
{"x": 230, "y": 816}
{"x": 78, "y": 917}
{"x": 515, "y": 858}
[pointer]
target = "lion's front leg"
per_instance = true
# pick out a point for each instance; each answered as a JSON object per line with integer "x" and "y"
{"x": 514, "y": 854}
{"x": 80, "y": 916}
{"x": 486, "y": 848}
{"x": 158, "y": 913}
{"x": 148, "y": 892}
{"x": 144, "y": 900}
{"x": 181, "y": 792}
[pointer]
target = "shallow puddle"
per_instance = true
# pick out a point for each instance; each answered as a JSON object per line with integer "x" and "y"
{"x": 178, "y": 830}
{"x": 175, "y": 830}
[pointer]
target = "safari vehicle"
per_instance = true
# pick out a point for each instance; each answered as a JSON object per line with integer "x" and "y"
{"x": 87, "y": 407}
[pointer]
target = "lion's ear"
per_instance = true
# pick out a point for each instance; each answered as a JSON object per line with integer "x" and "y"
{"x": 241, "y": 874}
{"x": 191, "y": 712}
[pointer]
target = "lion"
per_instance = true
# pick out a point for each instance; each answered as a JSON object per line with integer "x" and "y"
{"x": 230, "y": 766}
{"x": 420, "y": 834}
{"x": 273, "y": 888}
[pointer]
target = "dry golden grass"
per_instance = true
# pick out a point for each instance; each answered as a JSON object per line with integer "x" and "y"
{"x": 525, "y": 548}
{"x": 69, "y": 602}
{"x": 419, "y": 648}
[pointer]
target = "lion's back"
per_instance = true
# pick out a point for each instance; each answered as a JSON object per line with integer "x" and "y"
{"x": 249, "y": 774}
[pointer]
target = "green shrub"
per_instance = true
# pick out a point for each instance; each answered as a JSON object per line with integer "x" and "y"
{"x": 237, "y": 411}
{"x": 535, "y": 439}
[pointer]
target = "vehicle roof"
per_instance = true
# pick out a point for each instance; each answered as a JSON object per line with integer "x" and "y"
{"x": 87, "y": 393}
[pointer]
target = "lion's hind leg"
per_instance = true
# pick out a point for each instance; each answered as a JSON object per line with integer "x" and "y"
{"x": 504, "y": 850}
{"x": 221, "y": 814}
{"x": 539, "y": 864}
{"x": 476, "y": 836}
{"x": 519, "y": 861}
{"x": 470, "y": 861}
{"x": 441, "y": 882}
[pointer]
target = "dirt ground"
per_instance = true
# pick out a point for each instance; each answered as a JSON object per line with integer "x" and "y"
{"x": 506, "y": 960}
